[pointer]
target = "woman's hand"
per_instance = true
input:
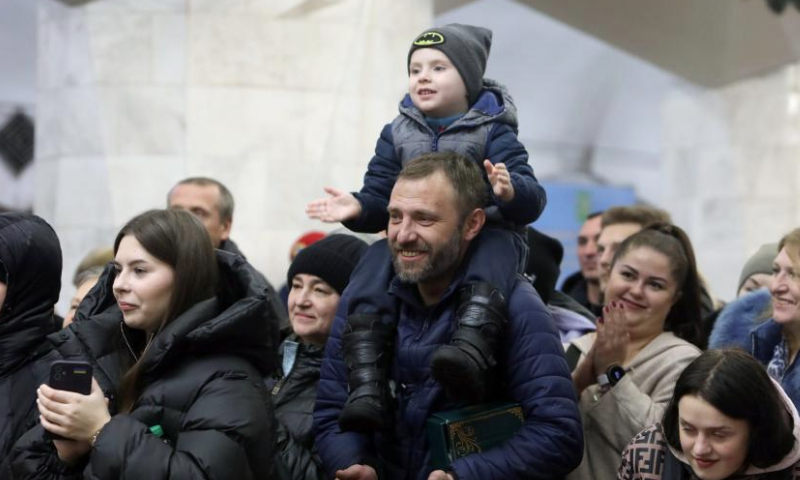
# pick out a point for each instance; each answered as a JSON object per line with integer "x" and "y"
{"x": 611, "y": 344}
{"x": 72, "y": 415}
{"x": 583, "y": 376}
{"x": 340, "y": 206}
{"x": 70, "y": 451}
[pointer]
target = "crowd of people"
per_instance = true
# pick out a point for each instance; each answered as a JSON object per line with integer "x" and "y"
{"x": 201, "y": 369}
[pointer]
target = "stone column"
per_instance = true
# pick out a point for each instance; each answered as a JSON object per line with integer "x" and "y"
{"x": 732, "y": 169}
{"x": 275, "y": 98}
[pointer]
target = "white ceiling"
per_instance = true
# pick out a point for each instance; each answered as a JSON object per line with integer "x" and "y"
{"x": 708, "y": 42}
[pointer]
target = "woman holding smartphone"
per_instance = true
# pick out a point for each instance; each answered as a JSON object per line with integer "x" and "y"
{"x": 179, "y": 338}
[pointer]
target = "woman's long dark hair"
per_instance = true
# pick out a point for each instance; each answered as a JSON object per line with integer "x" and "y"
{"x": 685, "y": 316}
{"x": 178, "y": 239}
{"x": 738, "y": 386}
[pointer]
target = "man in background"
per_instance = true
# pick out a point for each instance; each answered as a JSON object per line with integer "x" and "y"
{"x": 584, "y": 285}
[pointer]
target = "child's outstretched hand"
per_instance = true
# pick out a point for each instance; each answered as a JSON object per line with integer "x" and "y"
{"x": 339, "y": 207}
{"x": 500, "y": 180}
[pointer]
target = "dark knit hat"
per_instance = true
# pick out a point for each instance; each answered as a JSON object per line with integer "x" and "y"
{"x": 466, "y": 46}
{"x": 544, "y": 262}
{"x": 332, "y": 259}
{"x": 760, "y": 262}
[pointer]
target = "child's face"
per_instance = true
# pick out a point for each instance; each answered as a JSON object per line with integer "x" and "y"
{"x": 435, "y": 85}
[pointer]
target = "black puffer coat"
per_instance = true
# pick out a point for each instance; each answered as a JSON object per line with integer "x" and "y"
{"x": 203, "y": 377}
{"x": 31, "y": 253}
{"x": 294, "y": 396}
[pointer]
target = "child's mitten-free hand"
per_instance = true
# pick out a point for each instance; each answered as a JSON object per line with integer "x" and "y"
{"x": 500, "y": 180}
{"x": 338, "y": 207}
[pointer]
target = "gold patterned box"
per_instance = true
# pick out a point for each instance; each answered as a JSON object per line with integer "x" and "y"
{"x": 457, "y": 433}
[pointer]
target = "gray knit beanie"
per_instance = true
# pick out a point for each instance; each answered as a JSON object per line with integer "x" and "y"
{"x": 332, "y": 259}
{"x": 466, "y": 46}
{"x": 760, "y": 262}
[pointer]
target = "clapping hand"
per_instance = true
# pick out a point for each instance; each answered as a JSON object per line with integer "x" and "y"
{"x": 611, "y": 344}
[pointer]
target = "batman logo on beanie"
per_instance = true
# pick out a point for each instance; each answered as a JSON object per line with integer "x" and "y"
{"x": 467, "y": 48}
{"x": 429, "y": 38}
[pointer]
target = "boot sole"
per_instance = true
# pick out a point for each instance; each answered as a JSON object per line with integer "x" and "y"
{"x": 358, "y": 417}
{"x": 464, "y": 383}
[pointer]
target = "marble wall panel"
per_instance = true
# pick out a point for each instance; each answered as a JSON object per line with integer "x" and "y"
{"x": 276, "y": 99}
{"x": 169, "y": 52}
{"x": 45, "y": 195}
{"x": 70, "y": 121}
{"x": 267, "y": 250}
{"x": 239, "y": 7}
{"x": 16, "y": 191}
{"x": 144, "y": 120}
{"x": 65, "y": 53}
{"x": 141, "y": 182}
{"x": 231, "y": 122}
{"x": 121, "y": 46}
{"x": 770, "y": 171}
{"x": 720, "y": 270}
{"x": 354, "y": 126}
{"x": 246, "y": 50}
{"x": 767, "y": 218}
{"x": 640, "y": 170}
{"x": 695, "y": 119}
{"x": 83, "y": 192}
{"x": 747, "y": 170}
{"x": 413, "y": 14}
{"x": 718, "y": 236}
{"x": 678, "y": 167}
{"x": 305, "y": 128}
{"x": 250, "y": 179}
{"x": 773, "y": 126}
{"x": 713, "y": 173}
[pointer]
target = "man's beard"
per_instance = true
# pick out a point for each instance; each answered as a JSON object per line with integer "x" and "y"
{"x": 436, "y": 264}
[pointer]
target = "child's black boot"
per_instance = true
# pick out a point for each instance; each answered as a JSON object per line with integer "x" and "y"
{"x": 366, "y": 346}
{"x": 462, "y": 365}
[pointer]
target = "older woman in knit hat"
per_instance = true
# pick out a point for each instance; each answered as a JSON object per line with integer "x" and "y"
{"x": 757, "y": 272}
{"x": 317, "y": 277}
{"x": 731, "y": 326}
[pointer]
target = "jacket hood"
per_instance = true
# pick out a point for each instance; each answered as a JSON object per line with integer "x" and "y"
{"x": 572, "y": 281}
{"x": 494, "y": 104}
{"x": 570, "y": 325}
{"x": 238, "y": 320}
{"x": 31, "y": 254}
{"x": 790, "y": 459}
